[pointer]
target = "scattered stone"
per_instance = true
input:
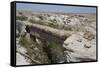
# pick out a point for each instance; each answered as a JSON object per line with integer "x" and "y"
{"x": 88, "y": 35}
{"x": 79, "y": 51}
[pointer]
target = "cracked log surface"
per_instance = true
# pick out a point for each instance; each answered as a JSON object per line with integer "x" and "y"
{"x": 45, "y": 32}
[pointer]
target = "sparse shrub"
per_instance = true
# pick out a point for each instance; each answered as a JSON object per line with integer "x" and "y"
{"x": 41, "y": 22}
{"x": 51, "y": 24}
{"x": 41, "y": 17}
{"x": 36, "y": 22}
{"x": 24, "y": 41}
{"x": 32, "y": 21}
{"x": 20, "y": 13}
{"x": 22, "y": 18}
{"x": 54, "y": 25}
{"x": 56, "y": 52}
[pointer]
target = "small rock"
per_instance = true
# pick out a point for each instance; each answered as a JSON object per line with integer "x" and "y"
{"x": 87, "y": 46}
{"x": 88, "y": 35}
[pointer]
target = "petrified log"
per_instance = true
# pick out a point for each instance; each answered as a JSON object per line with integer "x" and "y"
{"x": 47, "y": 33}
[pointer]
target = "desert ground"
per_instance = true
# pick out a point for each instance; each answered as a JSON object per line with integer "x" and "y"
{"x": 50, "y": 37}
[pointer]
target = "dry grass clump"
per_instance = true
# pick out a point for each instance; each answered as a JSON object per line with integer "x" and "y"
{"x": 22, "y": 18}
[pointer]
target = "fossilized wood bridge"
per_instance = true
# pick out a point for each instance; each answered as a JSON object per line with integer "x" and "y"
{"x": 47, "y": 33}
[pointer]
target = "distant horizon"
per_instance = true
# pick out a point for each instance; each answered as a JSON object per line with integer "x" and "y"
{"x": 55, "y": 8}
{"x": 53, "y": 12}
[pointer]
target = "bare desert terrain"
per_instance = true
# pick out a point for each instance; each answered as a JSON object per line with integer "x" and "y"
{"x": 50, "y": 37}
